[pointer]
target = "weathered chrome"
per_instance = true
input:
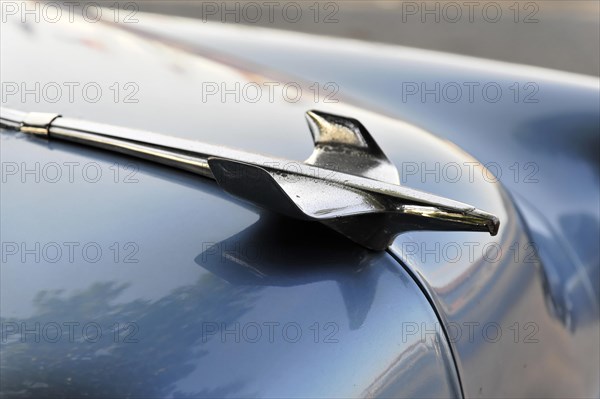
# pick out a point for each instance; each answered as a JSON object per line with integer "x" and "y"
{"x": 348, "y": 183}
{"x": 338, "y": 139}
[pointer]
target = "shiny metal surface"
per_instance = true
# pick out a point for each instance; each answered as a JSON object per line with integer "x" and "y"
{"x": 180, "y": 281}
{"x": 241, "y": 304}
{"x": 344, "y": 143}
{"x": 190, "y": 257}
{"x": 37, "y": 123}
{"x": 336, "y": 186}
{"x": 546, "y": 153}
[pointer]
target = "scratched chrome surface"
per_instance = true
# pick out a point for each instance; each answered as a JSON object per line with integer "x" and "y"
{"x": 302, "y": 275}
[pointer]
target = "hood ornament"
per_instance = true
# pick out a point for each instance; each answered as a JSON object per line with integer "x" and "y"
{"x": 347, "y": 183}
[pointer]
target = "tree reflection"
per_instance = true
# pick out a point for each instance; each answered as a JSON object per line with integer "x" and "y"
{"x": 115, "y": 365}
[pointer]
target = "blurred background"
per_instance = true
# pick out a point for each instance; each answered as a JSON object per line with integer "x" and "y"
{"x": 558, "y": 34}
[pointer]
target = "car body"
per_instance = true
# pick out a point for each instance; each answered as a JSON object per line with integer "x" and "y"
{"x": 125, "y": 278}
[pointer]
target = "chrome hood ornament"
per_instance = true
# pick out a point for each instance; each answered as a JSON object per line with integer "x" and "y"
{"x": 347, "y": 183}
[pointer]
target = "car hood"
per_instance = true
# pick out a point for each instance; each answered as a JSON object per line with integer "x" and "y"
{"x": 197, "y": 294}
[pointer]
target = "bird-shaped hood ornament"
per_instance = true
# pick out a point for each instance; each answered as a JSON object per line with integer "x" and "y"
{"x": 347, "y": 183}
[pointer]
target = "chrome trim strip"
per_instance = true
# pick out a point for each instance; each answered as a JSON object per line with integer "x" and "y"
{"x": 38, "y": 123}
{"x": 347, "y": 197}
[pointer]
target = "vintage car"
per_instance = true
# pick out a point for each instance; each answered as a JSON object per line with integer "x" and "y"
{"x": 440, "y": 241}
